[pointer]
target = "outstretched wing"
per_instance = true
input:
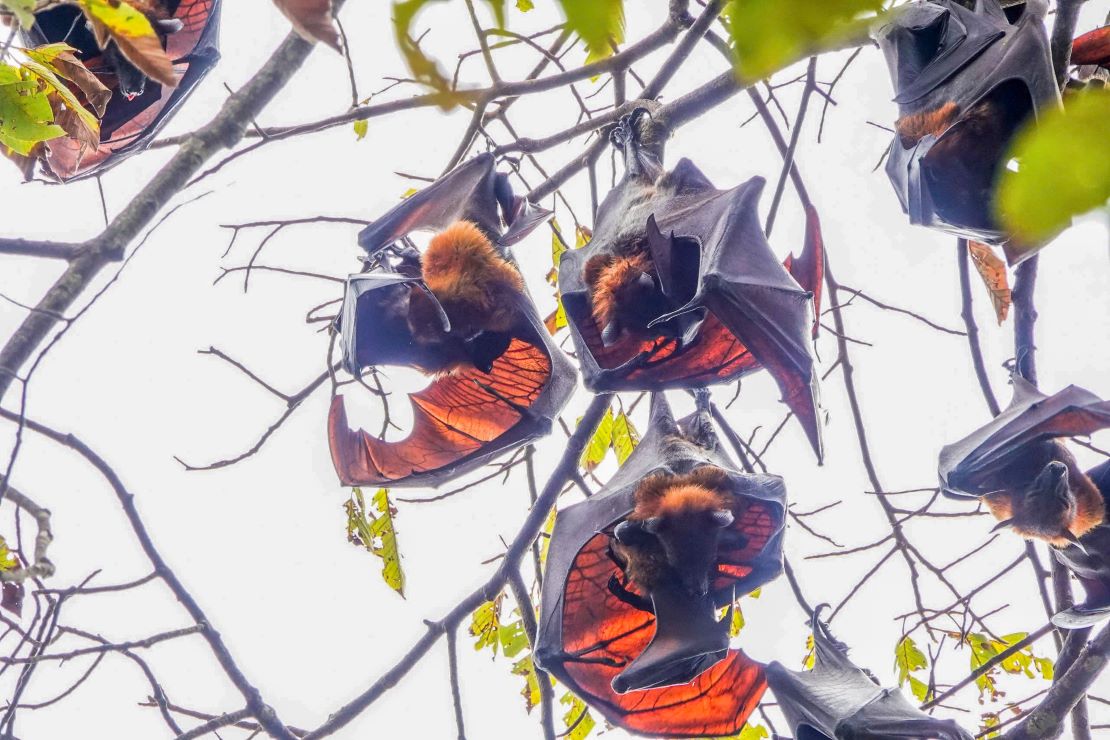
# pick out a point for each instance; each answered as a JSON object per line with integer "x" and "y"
{"x": 458, "y": 417}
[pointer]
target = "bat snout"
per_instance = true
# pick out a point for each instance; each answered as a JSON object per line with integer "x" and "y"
{"x": 1056, "y": 470}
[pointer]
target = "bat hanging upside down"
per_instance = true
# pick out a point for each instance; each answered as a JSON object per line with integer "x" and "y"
{"x": 624, "y": 294}
{"x": 132, "y": 81}
{"x": 1058, "y": 502}
{"x": 673, "y": 533}
{"x": 476, "y": 288}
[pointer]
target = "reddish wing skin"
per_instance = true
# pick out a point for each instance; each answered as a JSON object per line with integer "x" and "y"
{"x": 1092, "y": 47}
{"x": 809, "y": 268}
{"x": 453, "y": 418}
{"x": 129, "y": 125}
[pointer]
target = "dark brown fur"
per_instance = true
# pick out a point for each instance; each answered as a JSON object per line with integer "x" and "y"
{"x": 614, "y": 293}
{"x": 1087, "y": 509}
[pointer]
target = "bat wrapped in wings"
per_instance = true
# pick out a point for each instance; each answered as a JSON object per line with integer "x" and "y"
{"x": 636, "y": 574}
{"x": 1020, "y": 467}
{"x": 835, "y": 700}
{"x": 459, "y": 312}
{"x": 679, "y": 288}
{"x": 965, "y": 82}
{"x": 139, "y": 106}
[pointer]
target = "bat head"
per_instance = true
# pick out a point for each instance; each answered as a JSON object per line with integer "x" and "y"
{"x": 1048, "y": 505}
{"x": 687, "y": 531}
{"x": 624, "y": 294}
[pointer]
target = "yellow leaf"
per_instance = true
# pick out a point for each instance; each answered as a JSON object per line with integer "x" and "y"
{"x": 132, "y": 33}
{"x": 599, "y": 443}
{"x": 374, "y": 530}
{"x": 361, "y": 129}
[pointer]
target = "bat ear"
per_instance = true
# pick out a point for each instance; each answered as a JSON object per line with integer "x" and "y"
{"x": 1067, "y": 535}
{"x": 722, "y": 518}
{"x": 1002, "y": 525}
{"x": 645, "y": 282}
{"x": 170, "y": 25}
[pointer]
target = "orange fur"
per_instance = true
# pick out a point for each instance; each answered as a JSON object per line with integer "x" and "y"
{"x": 611, "y": 281}
{"x": 475, "y": 285}
{"x": 916, "y": 126}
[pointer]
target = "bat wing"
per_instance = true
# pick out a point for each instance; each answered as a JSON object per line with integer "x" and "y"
{"x": 1091, "y": 567}
{"x": 679, "y": 680}
{"x": 945, "y": 57}
{"x": 474, "y": 191}
{"x": 838, "y": 700}
{"x": 129, "y": 126}
{"x": 970, "y": 467}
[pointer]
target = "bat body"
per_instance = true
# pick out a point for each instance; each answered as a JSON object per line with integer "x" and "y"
{"x": 1090, "y": 562}
{"x": 636, "y": 574}
{"x": 459, "y": 312}
{"x": 836, "y": 700}
{"x": 139, "y": 107}
{"x": 1019, "y": 466}
{"x": 965, "y": 80}
{"x": 678, "y": 288}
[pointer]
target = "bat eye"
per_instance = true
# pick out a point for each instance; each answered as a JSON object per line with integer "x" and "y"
{"x": 652, "y": 525}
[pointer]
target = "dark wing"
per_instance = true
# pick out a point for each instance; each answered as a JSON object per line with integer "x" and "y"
{"x": 129, "y": 125}
{"x": 459, "y": 421}
{"x": 971, "y": 466}
{"x": 1090, "y": 565}
{"x": 809, "y": 267}
{"x": 749, "y": 291}
{"x": 838, "y": 700}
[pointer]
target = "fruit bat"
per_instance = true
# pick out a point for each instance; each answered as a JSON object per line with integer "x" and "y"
{"x": 965, "y": 82}
{"x": 139, "y": 107}
{"x": 1090, "y": 562}
{"x": 460, "y": 313}
{"x": 838, "y": 701}
{"x": 1018, "y": 464}
{"x": 679, "y": 288}
{"x": 1092, "y": 47}
{"x": 657, "y": 661}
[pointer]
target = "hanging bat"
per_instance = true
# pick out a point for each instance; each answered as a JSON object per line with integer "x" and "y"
{"x": 458, "y": 312}
{"x": 678, "y": 287}
{"x": 1092, "y": 47}
{"x": 636, "y": 574}
{"x": 139, "y": 107}
{"x": 965, "y": 82}
{"x": 838, "y": 701}
{"x": 1019, "y": 466}
{"x": 1090, "y": 562}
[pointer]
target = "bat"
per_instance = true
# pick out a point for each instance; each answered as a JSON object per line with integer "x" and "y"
{"x": 678, "y": 288}
{"x": 965, "y": 82}
{"x": 1092, "y": 47}
{"x": 138, "y": 108}
{"x": 836, "y": 700}
{"x": 1090, "y": 562}
{"x": 460, "y": 313}
{"x": 628, "y": 612}
{"x": 1019, "y": 466}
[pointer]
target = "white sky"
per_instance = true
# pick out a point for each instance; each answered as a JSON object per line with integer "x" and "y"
{"x": 262, "y": 544}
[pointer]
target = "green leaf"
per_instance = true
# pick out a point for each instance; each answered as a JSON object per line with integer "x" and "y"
{"x": 545, "y": 536}
{"x": 423, "y": 68}
{"x": 578, "y": 720}
{"x": 1063, "y": 171}
{"x": 625, "y": 437}
{"x": 531, "y": 691}
{"x": 77, "y": 120}
{"x": 919, "y": 689}
{"x": 908, "y": 658}
{"x": 374, "y": 530}
{"x": 8, "y": 560}
{"x": 1045, "y": 667}
{"x": 485, "y": 624}
{"x": 22, "y": 9}
{"x": 599, "y": 443}
{"x": 524, "y": 5}
{"x": 768, "y": 35}
{"x": 498, "y": 8}
{"x": 747, "y": 732}
{"x": 599, "y": 23}
{"x": 26, "y": 118}
{"x": 361, "y": 129}
{"x": 513, "y": 638}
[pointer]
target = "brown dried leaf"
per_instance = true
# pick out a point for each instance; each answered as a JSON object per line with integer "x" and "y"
{"x": 133, "y": 34}
{"x": 312, "y": 20}
{"x": 993, "y": 271}
{"x": 60, "y": 59}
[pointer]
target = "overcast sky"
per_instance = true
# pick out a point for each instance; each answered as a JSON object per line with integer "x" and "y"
{"x": 262, "y": 544}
